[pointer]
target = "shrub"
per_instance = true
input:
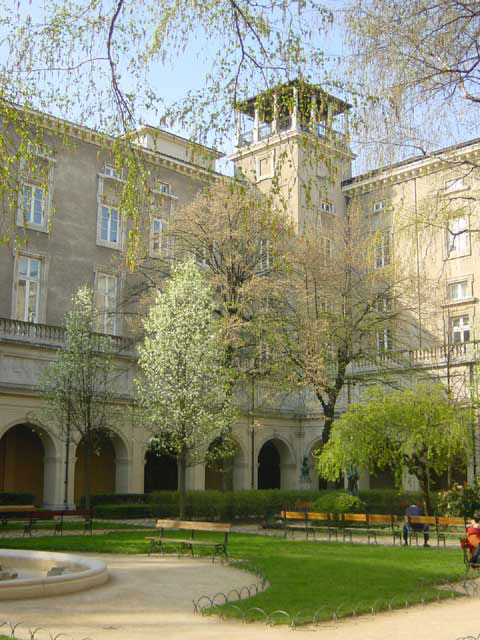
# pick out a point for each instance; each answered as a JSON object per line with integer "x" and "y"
{"x": 339, "y": 502}
{"x": 460, "y": 500}
{"x": 392, "y": 501}
{"x": 122, "y": 511}
{"x": 116, "y": 498}
{"x": 16, "y": 498}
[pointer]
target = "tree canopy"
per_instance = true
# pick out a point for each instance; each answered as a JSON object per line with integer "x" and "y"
{"x": 183, "y": 391}
{"x": 418, "y": 429}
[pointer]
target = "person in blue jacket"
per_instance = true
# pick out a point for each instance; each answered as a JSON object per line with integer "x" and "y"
{"x": 415, "y": 510}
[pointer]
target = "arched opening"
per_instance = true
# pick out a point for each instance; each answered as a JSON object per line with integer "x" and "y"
{"x": 160, "y": 471}
{"x": 220, "y": 471}
{"x": 318, "y": 482}
{"x": 108, "y": 466}
{"x": 22, "y": 461}
{"x": 382, "y": 479}
{"x": 274, "y": 459}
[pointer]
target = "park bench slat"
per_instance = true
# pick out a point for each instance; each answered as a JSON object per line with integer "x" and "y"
{"x": 219, "y": 547}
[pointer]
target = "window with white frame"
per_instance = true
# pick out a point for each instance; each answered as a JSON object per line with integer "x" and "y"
{"x": 109, "y": 225}
{"x": 384, "y": 305}
{"x": 378, "y": 206}
{"x": 458, "y": 290}
{"x": 106, "y": 303}
{"x": 28, "y": 288}
{"x": 455, "y": 184}
{"x": 384, "y": 340}
{"x": 460, "y": 329}
{"x": 161, "y": 245}
{"x": 326, "y": 251}
{"x": 110, "y": 171}
{"x": 33, "y": 205}
{"x": 383, "y": 249}
{"x": 326, "y": 205}
{"x": 163, "y": 187}
{"x": 458, "y": 241}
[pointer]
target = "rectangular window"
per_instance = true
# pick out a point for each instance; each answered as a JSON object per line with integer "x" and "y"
{"x": 460, "y": 329}
{"x": 264, "y": 166}
{"x": 163, "y": 187}
{"x": 378, "y": 206}
{"x": 383, "y": 249}
{"x": 458, "y": 290}
{"x": 454, "y": 185}
{"x": 33, "y": 204}
{"x": 28, "y": 289}
{"x": 384, "y": 340}
{"x": 110, "y": 225}
{"x": 161, "y": 245}
{"x": 458, "y": 243}
{"x": 110, "y": 171}
{"x": 384, "y": 305}
{"x": 327, "y": 206}
{"x": 106, "y": 302}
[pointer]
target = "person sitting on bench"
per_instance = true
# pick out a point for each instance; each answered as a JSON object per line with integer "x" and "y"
{"x": 415, "y": 510}
{"x": 473, "y": 537}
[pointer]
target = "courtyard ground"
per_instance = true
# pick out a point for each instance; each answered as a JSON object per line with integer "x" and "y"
{"x": 151, "y": 598}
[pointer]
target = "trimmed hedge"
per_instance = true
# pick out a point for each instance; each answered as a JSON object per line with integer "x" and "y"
{"x": 203, "y": 505}
{"x": 16, "y": 498}
{"x": 116, "y": 498}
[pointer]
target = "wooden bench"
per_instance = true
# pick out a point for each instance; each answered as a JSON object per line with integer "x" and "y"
{"x": 450, "y": 524}
{"x": 161, "y": 540}
{"x": 9, "y": 511}
{"x": 295, "y": 521}
{"x": 322, "y": 521}
{"x": 58, "y": 517}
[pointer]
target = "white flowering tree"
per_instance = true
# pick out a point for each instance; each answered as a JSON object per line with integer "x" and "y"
{"x": 78, "y": 386}
{"x": 183, "y": 393}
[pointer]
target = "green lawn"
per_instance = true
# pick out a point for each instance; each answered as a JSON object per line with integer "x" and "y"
{"x": 306, "y": 576}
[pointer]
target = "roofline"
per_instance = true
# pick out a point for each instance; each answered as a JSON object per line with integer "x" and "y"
{"x": 102, "y": 139}
{"x": 182, "y": 139}
{"x": 427, "y": 158}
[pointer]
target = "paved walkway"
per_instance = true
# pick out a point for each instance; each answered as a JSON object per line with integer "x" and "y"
{"x": 151, "y": 598}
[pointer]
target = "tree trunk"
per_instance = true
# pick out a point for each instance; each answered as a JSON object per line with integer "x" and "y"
{"x": 88, "y": 471}
{"x": 329, "y": 416}
{"x": 182, "y": 484}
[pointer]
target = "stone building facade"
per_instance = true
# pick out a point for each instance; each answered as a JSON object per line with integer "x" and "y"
{"x": 75, "y": 235}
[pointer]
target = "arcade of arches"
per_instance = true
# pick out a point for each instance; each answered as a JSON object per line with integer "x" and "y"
{"x": 22, "y": 456}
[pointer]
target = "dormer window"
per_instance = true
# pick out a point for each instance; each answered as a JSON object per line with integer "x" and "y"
{"x": 326, "y": 205}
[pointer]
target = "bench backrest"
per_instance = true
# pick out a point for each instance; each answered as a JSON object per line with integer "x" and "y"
{"x": 421, "y": 520}
{"x": 355, "y": 517}
{"x": 16, "y": 508}
{"x": 446, "y": 521}
{"x": 380, "y": 518}
{"x": 319, "y": 516}
{"x": 294, "y": 515}
{"x": 189, "y": 525}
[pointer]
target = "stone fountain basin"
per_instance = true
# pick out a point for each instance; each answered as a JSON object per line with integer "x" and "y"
{"x": 83, "y": 572}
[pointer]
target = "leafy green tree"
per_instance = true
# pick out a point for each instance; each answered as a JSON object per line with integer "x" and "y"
{"x": 78, "y": 387}
{"x": 418, "y": 430}
{"x": 183, "y": 393}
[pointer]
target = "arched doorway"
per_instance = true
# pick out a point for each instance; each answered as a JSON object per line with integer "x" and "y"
{"x": 160, "y": 472}
{"x": 220, "y": 472}
{"x": 22, "y": 461}
{"x": 108, "y": 466}
{"x": 274, "y": 459}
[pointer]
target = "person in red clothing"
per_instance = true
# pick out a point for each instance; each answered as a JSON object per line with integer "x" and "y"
{"x": 473, "y": 537}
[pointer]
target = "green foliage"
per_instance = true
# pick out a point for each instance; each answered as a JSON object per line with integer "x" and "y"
{"x": 123, "y": 511}
{"x": 389, "y": 501}
{"x": 116, "y": 498}
{"x": 339, "y": 502}
{"x": 16, "y": 498}
{"x": 420, "y": 430}
{"x": 460, "y": 500}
